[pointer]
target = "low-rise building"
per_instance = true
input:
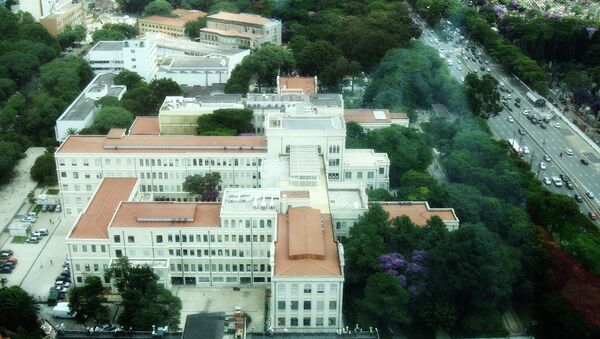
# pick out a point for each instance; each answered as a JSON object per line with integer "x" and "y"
{"x": 81, "y": 112}
{"x": 370, "y": 119}
{"x": 419, "y": 212}
{"x": 297, "y": 85}
{"x": 240, "y": 30}
{"x": 171, "y": 26}
{"x": 64, "y": 14}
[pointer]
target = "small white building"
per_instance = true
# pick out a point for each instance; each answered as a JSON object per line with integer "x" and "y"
{"x": 81, "y": 112}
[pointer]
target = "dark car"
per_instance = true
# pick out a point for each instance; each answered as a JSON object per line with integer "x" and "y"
{"x": 578, "y": 197}
{"x": 52, "y": 208}
{"x": 592, "y": 215}
{"x": 6, "y": 254}
{"x": 518, "y": 100}
{"x": 584, "y": 161}
{"x": 570, "y": 185}
{"x": 542, "y": 126}
{"x": 521, "y": 132}
{"x": 9, "y": 264}
{"x": 517, "y": 104}
{"x": 7, "y": 270}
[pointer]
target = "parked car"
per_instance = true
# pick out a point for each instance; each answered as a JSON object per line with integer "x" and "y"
{"x": 13, "y": 260}
{"x": 547, "y": 158}
{"x": 589, "y": 194}
{"x": 510, "y": 119}
{"x": 521, "y": 132}
{"x": 584, "y": 161}
{"x": 44, "y": 208}
{"x": 570, "y": 185}
{"x": 542, "y": 165}
{"x": 52, "y": 208}
{"x": 526, "y": 150}
{"x": 58, "y": 209}
{"x": 578, "y": 197}
{"x": 43, "y": 231}
{"x": 6, "y": 253}
{"x": 36, "y": 234}
{"x": 547, "y": 181}
{"x": 6, "y": 270}
{"x": 556, "y": 124}
{"x": 32, "y": 240}
{"x": 592, "y": 215}
{"x": 569, "y": 151}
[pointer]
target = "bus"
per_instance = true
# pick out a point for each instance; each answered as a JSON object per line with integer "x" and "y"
{"x": 535, "y": 99}
{"x": 515, "y": 148}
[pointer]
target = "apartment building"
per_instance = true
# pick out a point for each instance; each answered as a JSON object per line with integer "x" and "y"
{"x": 171, "y": 26}
{"x": 64, "y": 14}
{"x": 155, "y": 57}
{"x": 240, "y": 30}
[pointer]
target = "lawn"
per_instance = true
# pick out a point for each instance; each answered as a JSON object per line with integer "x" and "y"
{"x": 18, "y": 240}
{"x": 52, "y": 191}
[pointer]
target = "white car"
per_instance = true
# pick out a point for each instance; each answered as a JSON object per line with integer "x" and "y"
{"x": 542, "y": 166}
{"x": 569, "y": 151}
{"x": 547, "y": 181}
{"x": 526, "y": 150}
{"x": 510, "y": 119}
{"x": 556, "y": 124}
{"x": 459, "y": 68}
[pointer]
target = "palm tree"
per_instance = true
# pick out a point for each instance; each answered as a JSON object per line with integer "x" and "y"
{"x": 18, "y": 309}
{"x": 71, "y": 131}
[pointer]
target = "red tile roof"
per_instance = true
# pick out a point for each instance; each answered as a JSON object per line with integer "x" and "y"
{"x": 145, "y": 126}
{"x": 167, "y": 214}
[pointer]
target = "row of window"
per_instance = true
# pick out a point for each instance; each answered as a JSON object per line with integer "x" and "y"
{"x": 88, "y": 268}
{"x": 306, "y": 321}
{"x": 218, "y": 253}
{"x": 212, "y": 238}
{"x": 307, "y": 289}
{"x": 222, "y": 162}
{"x": 359, "y": 174}
{"x": 228, "y": 268}
{"x": 306, "y": 305}
{"x": 92, "y": 248}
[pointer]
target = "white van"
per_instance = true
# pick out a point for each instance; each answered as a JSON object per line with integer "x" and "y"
{"x": 62, "y": 310}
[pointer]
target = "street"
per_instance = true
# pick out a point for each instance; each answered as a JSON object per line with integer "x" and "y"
{"x": 552, "y": 141}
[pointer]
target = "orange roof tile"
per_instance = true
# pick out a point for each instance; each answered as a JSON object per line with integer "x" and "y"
{"x": 145, "y": 126}
{"x": 167, "y": 214}
{"x": 241, "y": 17}
{"x": 93, "y": 223}
{"x": 365, "y": 115}
{"x": 308, "y": 85}
{"x": 183, "y": 16}
{"x": 163, "y": 144}
{"x": 418, "y": 212}
{"x": 295, "y": 256}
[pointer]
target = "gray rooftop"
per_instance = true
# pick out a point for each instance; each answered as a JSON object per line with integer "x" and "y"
{"x": 346, "y": 199}
{"x": 82, "y": 106}
{"x": 332, "y": 100}
{"x": 192, "y": 62}
{"x": 312, "y": 123}
{"x": 204, "y": 325}
{"x": 196, "y": 47}
{"x": 108, "y": 46}
{"x": 224, "y": 98}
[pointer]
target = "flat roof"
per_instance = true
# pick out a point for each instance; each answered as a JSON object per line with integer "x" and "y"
{"x": 198, "y": 62}
{"x": 93, "y": 222}
{"x": 398, "y": 115}
{"x": 183, "y": 16}
{"x": 167, "y": 214}
{"x": 418, "y": 211}
{"x": 82, "y": 106}
{"x": 314, "y": 123}
{"x": 241, "y": 17}
{"x": 308, "y": 85}
{"x": 145, "y": 126}
{"x": 108, "y": 46}
{"x": 197, "y": 47}
{"x": 305, "y": 244}
{"x": 364, "y": 157}
{"x": 250, "y": 199}
{"x": 350, "y": 199}
{"x": 163, "y": 144}
{"x": 366, "y": 115}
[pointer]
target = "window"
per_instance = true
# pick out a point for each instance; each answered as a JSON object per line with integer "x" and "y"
{"x": 159, "y": 239}
{"x": 306, "y": 321}
{"x": 130, "y": 239}
{"x": 358, "y": 175}
{"x": 319, "y": 321}
{"x": 63, "y": 174}
{"x": 87, "y": 267}
{"x": 77, "y": 267}
{"x": 294, "y": 321}
{"x": 294, "y": 305}
{"x": 281, "y": 305}
{"x": 118, "y": 253}
{"x": 320, "y": 305}
{"x": 332, "y": 305}
{"x": 370, "y": 175}
{"x": 348, "y": 175}
{"x": 74, "y": 248}
{"x": 320, "y": 288}
{"x": 307, "y": 305}
{"x": 93, "y": 248}
{"x": 103, "y": 248}
{"x": 117, "y": 238}
{"x": 307, "y": 288}
{"x": 333, "y": 289}
{"x": 84, "y": 248}
{"x": 294, "y": 289}
{"x": 332, "y": 321}
{"x": 281, "y": 321}
{"x": 381, "y": 170}
{"x": 96, "y": 267}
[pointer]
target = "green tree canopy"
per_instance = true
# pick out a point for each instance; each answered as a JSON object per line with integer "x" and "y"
{"x": 129, "y": 79}
{"x": 192, "y": 28}
{"x": 110, "y": 32}
{"x": 206, "y": 186}
{"x": 112, "y": 117}
{"x": 70, "y": 35}
{"x": 227, "y": 120}
{"x": 44, "y": 169}
{"x": 87, "y": 300}
{"x": 158, "y": 7}
{"x": 482, "y": 95}
{"x": 18, "y": 311}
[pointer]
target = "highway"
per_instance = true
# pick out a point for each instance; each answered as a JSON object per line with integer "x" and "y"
{"x": 551, "y": 141}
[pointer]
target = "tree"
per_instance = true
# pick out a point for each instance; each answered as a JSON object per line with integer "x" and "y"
{"x": 192, "y": 28}
{"x": 132, "y": 6}
{"x": 205, "y": 186}
{"x": 107, "y": 101}
{"x": 112, "y": 117}
{"x": 44, "y": 169}
{"x": 482, "y": 95}
{"x": 224, "y": 6}
{"x": 158, "y": 7}
{"x": 385, "y": 301}
{"x": 18, "y": 311}
{"x": 87, "y": 300}
{"x": 7, "y": 88}
{"x": 10, "y": 152}
{"x": 70, "y": 35}
{"x": 226, "y": 121}
{"x": 145, "y": 302}
{"x": 128, "y": 78}
{"x": 110, "y": 32}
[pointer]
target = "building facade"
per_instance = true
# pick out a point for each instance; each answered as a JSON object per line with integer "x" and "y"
{"x": 240, "y": 30}
{"x": 171, "y": 26}
{"x": 64, "y": 14}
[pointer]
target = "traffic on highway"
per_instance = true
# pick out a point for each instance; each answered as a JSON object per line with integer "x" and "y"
{"x": 549, "y": 144}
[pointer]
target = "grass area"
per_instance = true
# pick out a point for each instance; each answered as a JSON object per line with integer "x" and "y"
{"x": 18, "y": 240}
{"x": 37, "y": 208}
{"x": 52, "y": 191}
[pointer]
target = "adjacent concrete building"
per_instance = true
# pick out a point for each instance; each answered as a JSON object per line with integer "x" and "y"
{"x": 63, "y": 14}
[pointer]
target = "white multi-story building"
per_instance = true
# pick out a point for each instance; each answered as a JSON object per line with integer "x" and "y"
{"x": 81, "y": 112}
{"x": 156, "y": 57}
{"x": 240, "y": 30}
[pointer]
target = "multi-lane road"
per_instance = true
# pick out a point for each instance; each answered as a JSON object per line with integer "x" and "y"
{"x": 553, "y": 141}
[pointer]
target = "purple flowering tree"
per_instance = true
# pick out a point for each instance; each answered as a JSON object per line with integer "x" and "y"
{"x": 205, "y": 186}
{"x": 500, "y": 11}
{"x": 411, "y": 272}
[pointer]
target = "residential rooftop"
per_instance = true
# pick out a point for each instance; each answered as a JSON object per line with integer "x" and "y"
{"x": 93, "y": 222}
{"x": 166, "y": 214}
{"x": 419, "y": 212}
{"x": 102, "y": 85}
{"x": 305, "y": 85}
{"x": 163, "y": 144}
{"x": 241, "y": 17}
{"x": 307, "y": 123}
{"x": 305, "y": 244}
{"x": 145, "y": 125}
